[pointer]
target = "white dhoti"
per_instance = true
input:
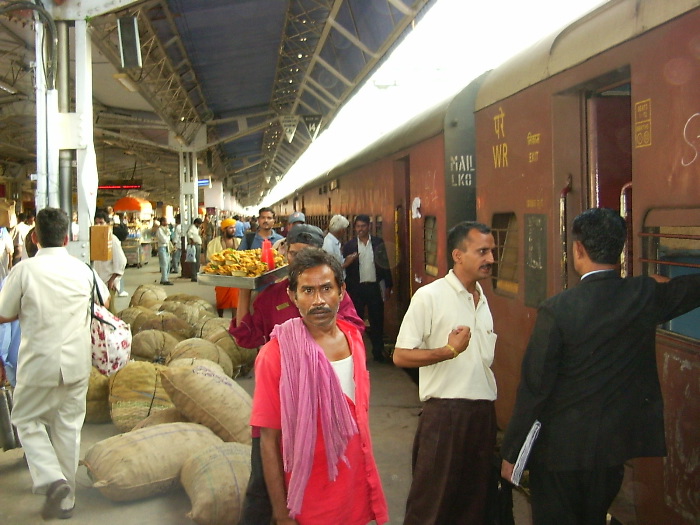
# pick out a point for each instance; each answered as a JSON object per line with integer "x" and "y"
{"x": 49, "y": 421}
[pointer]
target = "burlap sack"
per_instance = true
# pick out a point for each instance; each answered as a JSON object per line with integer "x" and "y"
{"x": 147, "y": 294}
{"x": 195, "y": 347}
{"x": 129, "y": 315}
{"x": 209, "y": 325}
{"x": 191, "y": 362}
{"x": 155, "y": 306}
{"x": 189, "y": 312}
{"x": 153, "y": 346}
{"x": 194, "y": 300}
{"x": 135, "y": 392}
{"x": 248, "y": 356}
{"x": 169, "y": 415}
{"x": 137, "y": 324}
{"x": 215, "y": 479}
{"x": 212, "y": 399}
{"x": 167, "y": 322}
{"x": 144, "y": 462}
{"x": 227, "y": 343}
{"x": 97, "y": 404}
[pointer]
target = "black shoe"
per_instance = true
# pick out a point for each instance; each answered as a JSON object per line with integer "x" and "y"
{"x": 65, "y": 514}
{"x": 194, "y": 280}
{"x": 56, "y": 492}
{"x": 167, "y": 283}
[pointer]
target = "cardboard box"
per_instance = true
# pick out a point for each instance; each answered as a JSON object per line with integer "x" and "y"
{"x": 7, "y": 212}
{"x": 101, "y": 242}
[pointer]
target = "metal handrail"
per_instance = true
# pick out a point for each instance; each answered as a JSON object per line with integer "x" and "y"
{"x": 669, "y": 263}
{"x": 671, "y": 236}
{"x": 626, "y": 255}
{"x": 563, "y": 233}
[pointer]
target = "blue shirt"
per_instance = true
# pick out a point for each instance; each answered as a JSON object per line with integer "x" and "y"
{"x": 258, "y": 241}
{"x": 239, "y": 229}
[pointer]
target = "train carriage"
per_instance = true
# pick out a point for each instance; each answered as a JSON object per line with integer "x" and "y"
{"x": 602, "y": 114}
{"x": 606, "y": 113}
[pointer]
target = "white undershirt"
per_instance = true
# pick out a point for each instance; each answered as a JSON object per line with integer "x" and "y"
{"x": 345, "y": 370}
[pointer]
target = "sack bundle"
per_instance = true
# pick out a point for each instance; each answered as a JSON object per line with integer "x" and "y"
{"x": 129, "y": 315}
{"x": 200, "y": 348}
{"x": 211, "y": 399}
{"x": 168, "y": 415}
{"x": 147, "y": 294}
{"x": 167, "y": 322}
{"x": 208, "y": 325}
{"x": 193, "y": 300}
{"x": 135, "y": 392}
{"x": 97, "y": 404}
{"x": 215, "y": 479}
{"x": 153, "y": 346}
{"x": 144, "y": 462}
{"x": 189, "y": 312}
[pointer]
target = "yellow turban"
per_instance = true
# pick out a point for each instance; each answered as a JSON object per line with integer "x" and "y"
{"x": 226, "y": 223}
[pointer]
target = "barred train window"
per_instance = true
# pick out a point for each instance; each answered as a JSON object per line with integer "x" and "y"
{"x": 671, "y": 247}
{"x": 505, "y": 268}
{"x": 430, "y": 245}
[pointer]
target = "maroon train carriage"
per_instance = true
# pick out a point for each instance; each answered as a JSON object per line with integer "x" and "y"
{"x": 605, "y": 112}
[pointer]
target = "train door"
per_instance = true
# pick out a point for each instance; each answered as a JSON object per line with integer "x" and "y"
{"x": 609, "y": 144}
{"x": 402, "y": 236}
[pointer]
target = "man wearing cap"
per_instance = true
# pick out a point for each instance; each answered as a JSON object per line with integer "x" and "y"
{"x": 296, "y": 218}
{"x": 251, "y": 330}
{"x": 225, "y": 297}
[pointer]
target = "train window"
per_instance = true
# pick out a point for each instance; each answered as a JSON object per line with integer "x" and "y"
{"x": 505, "y": 268}
{"x": 430, "y": 240}
{"x": 378, "y": 226}
{"x": 671, "y": 247}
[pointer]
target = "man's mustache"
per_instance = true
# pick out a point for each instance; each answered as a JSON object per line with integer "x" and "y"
{"x": 320, "y": 310}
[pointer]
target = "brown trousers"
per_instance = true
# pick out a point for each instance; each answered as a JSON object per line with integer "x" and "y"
{"x": 452, "y": 462}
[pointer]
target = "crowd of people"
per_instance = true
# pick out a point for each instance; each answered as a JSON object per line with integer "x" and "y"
{"x": 589, "y": 375}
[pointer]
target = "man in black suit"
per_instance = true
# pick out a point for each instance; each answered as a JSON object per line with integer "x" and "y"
{"x": 367, "y": 265}
{"x": 589, "y": 376}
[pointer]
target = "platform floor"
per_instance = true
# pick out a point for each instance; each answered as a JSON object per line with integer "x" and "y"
{"x": 394, "y": 410}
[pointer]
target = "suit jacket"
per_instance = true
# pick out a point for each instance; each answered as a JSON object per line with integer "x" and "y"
{"x": 381, "y": 263}
{"x": 589, "y": 372}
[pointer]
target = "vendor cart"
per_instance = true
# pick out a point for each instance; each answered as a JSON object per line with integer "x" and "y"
{"x": 134, "y": 252}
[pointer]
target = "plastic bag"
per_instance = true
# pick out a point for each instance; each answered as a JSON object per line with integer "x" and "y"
{"x": 191, "y": 254}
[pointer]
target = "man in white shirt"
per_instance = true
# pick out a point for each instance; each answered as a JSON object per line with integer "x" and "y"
{"x": 331, "y": 243}
{"x": 112, "y": 271}
{"x": 195, "y": 239}
{"x": 50, "y": 294}
{"x": 25, "y": 224}
{"x": 448, "y": 333}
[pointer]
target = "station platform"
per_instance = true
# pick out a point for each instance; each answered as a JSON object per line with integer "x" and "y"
{"x": 394, "y": 410}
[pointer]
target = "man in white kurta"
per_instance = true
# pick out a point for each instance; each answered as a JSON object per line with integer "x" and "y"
{"x": 112, "y": 271}
{"x": 50, "y": 293}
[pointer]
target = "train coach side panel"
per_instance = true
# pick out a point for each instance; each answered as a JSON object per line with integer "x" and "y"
{"x": 514, "y": 145}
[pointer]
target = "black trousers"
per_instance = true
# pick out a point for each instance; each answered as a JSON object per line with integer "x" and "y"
{"x": 576, "y": 497}
{"x": 369, "y": 296}
{"x": 257, "y": 509}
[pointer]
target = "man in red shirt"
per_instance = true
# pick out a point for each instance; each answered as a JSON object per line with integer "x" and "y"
{"x": 311, "y": 403}
{"x": 252, "y": 329}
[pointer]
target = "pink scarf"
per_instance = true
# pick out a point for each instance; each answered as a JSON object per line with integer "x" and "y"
{"x": 309, "y": 389}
